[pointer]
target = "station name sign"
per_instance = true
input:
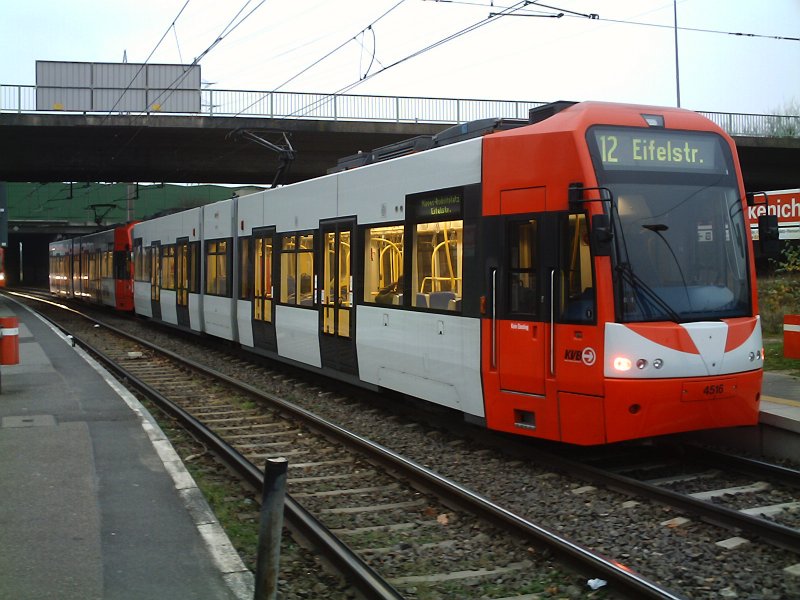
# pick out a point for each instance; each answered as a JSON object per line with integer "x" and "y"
{"x": 656, "y": 150}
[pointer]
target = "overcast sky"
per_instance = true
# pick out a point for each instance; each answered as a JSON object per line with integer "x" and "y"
{"x": 515, "y": 57}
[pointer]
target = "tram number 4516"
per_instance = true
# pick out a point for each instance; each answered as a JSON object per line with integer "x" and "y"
{"x": 706, "y": 390}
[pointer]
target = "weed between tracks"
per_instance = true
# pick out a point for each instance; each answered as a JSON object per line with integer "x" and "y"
{"x": 237, "y": 511}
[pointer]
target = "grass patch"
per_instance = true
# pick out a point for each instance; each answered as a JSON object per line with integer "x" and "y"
{"x": 775, "y": 361}
{"x": 778, "y": 296}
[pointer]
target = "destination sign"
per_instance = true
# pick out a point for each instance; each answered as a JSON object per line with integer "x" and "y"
{"x": 444, "y": 205}
{"x": 656, "y": 150}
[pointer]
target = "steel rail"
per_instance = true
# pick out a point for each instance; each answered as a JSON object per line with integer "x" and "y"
{"x": 753, "y": 466}
{"x": 621, "y": 577}
{"x": 775, "y": 533}
{"x": 624, "y": 579}
{"x": 355, "y": 571}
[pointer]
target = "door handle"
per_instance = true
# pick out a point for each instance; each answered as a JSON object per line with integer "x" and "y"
{"x": 494, "y": 319}
{"x": 552, "y": 320}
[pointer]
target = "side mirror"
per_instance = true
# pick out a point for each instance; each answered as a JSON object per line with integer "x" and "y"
{"x": 601, "y": 236}
{"x": 768, "y": 235}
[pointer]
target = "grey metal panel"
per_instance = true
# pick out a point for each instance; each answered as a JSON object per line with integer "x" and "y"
{"x": 118, "y": 87}
{"x": 63, "y": 74}
{"x": 113, "y": 100}
{"x": 180, "y": 101}
{"x": 181, "y": 77}
{"x": 58, "y": 98}
{"x": 120, "y": 76}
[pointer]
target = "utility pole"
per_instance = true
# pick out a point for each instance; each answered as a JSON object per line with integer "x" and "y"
{"x": 677, "y": 68}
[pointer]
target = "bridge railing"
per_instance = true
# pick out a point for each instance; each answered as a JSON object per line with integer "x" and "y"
{"x": 399, "y": 109}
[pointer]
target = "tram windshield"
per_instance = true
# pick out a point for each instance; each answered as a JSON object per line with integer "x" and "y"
{"x": 680, "y": 238}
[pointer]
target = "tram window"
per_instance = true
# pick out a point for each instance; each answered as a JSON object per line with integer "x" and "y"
{"x": 107, "y": 263}
{"x": 140, "y": 262}
{"x": 122, "y": 264}
{"x": 154, "y": 252}
{"x": 297, "y": 269}
{"x": 168, "y": 267}
{"x": 437, "y": 265}
{"x": 245, "y": 279}
{"x": 576, "y": 298}
{"x": 523, "y": 262}
{"x": 383, "y": 260}
{"x": 94, "y": 270}
{"x": 218, "y": 268}
{"x": 148, "y": 264}
{"x": 194, "y": 267}
{"x": 262, "y": 301}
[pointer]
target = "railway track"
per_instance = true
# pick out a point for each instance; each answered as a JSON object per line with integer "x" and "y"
{"x": 637, "y": 544}
{"x": 425, "y": 545}
{"x": 749, "y": 496}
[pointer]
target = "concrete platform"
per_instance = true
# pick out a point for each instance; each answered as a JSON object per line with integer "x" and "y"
{"x": 778, "y": 432}
{"x": 94, "y": 502}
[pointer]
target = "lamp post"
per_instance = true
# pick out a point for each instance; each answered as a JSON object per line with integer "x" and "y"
{"x": 677, "y": 68}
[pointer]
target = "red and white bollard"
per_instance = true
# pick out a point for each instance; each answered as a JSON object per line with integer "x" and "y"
{"x": 791, "y": 336}
{"x": 9, "y": 341}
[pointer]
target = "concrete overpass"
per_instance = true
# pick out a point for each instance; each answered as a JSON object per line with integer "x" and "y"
{"x": 180, "y": 149}
{"x": 48, "y": 146}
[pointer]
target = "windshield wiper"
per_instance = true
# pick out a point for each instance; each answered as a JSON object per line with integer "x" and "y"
{"x": 643, "y": 291}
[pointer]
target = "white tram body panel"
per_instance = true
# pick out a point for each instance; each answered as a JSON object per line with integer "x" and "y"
{"x": 430, "y": 356}
{"x": 101, "y": 246}
{"x": 141, "y": 298}
{"x": 218, "y": 311}
{"x": 60, "y": 278}
{"x": 251, "y": 215}
{"x": 167, "y": 230}
{"x": 377, "y": 193}
{"x": 298, "y": 334}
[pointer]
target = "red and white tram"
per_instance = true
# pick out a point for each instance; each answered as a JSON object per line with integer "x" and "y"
{"x": 587, "y": 277}
{"x": 96, "y": 267}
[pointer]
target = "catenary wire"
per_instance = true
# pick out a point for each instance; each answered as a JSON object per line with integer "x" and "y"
{"x": 318, "y": 61}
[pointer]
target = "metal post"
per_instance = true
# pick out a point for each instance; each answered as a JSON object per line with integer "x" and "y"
{"x": 677, "y": 66}
{"x": 131, "y": 197}
{"x": 271, "y": 525}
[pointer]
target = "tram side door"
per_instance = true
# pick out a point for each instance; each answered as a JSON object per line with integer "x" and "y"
{"x": 263, "y": 316}
{"x": 155, "y": 279}
{"x": 519, "y": 324}
{"x": 182, "y": 281}
{"x": 335, "y": 283}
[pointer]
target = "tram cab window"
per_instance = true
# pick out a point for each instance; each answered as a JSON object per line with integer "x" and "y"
{"x": 218, "y": 268}
{"x": 297, "y": 268}
{"x": 576, "y": 297}
{"x": 437, "y": 265}
{"x": 523, "y": 262}
{"x": 383, "y": 270}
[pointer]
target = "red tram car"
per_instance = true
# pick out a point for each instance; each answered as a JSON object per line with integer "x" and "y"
{"x": 585, "y": 277}
{"x": 97, "y": 267}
